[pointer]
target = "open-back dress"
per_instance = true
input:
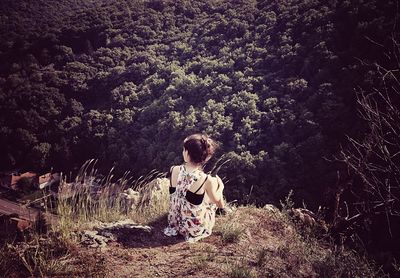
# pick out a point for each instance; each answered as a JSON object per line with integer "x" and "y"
{"x": 190, "y": 214}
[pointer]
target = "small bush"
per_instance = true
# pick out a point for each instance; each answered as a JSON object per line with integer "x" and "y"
{"x": 41, "y": 256}
{"x": 47, "y": 256}
{"x": 230, "y": 231}
{"x": 287, "y": 204}
{"x": 240, "y": 270}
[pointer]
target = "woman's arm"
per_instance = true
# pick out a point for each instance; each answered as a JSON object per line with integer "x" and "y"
{"x": 214, "y": 187}
{"x": 220, "y": 184}
{"x": 172, "y": 175}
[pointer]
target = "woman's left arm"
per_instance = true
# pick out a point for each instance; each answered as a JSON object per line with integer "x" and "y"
{"x": 213, "y": 192}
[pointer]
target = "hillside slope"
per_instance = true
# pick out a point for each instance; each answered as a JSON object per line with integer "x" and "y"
{"x": 249, "y": 242}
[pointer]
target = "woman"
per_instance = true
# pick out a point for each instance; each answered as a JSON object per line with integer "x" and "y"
{"x": 194, "y": 195}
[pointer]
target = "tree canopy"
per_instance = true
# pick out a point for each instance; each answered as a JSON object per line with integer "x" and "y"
{"x": 126, "y": 81}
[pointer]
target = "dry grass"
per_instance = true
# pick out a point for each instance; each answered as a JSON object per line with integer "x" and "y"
{"x": 88, "y": 199}
{"x": 302, "y": 253}
{"x": 153, "y": 203}
{"x": 249, "y": 242}
{"x": 45, "y": 256}
{"x": 79, "y": 205}
{"x": 240, "y": 269}
{"x": 230, "y": 228}
{"x": 230, "y": 231}
{"x": 269, "y": 243}
{"x": 202, "y": 260}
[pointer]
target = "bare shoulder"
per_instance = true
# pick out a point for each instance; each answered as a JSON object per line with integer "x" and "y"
{"x": 173, "y": 168}
{"x": 211, "y": 182}
{"x": 173, "y": 171}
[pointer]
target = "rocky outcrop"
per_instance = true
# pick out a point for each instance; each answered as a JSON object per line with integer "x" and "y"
{"x": 103, "y": 234}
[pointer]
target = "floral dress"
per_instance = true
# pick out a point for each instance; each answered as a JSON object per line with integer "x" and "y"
{"x": 194, "y": 222}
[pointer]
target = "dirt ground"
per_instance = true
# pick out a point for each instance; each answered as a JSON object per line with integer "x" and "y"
{"x": 144, "y": 254}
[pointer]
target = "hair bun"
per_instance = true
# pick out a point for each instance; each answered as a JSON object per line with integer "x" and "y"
{"x": 200, "y": 147}
{"x": 204, "y": 142}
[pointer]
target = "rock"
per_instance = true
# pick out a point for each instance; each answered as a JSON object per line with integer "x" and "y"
{"x": 108, "y": 235}
{"x": 271, "y": 208}
{"x": 309, "y": 219}
{"x": 122, "y": 224}
{"x": 130, "y": 194}
{"x": 306, "y": 216}
{"x": 150, "y": 193}
{"x": 105, "y": 233}
{"x": 132, "y": 198}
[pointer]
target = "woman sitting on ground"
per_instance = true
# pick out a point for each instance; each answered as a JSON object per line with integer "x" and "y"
{"x": 194, "y": 195}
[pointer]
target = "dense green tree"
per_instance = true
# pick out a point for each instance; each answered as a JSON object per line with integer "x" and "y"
{"x": 126, "y": 81}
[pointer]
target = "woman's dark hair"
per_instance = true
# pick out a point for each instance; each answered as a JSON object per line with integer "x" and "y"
{"x": 200, "y": 147}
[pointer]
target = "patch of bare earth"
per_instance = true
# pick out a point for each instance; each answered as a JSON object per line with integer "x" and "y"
{"x": 260, "y": 231}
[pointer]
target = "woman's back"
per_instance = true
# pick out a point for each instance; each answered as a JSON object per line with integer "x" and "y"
{"x": 193, "y": 194}
{"x": 193, "y": 180}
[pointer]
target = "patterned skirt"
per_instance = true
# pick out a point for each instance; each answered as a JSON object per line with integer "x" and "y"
{"x": 194, "y": 222}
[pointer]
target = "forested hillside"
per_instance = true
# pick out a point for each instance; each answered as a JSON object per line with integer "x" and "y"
{"x": 126, "y": 81}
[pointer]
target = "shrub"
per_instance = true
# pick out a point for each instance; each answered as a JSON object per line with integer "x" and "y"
{"x": 240, "y": 269}
{"x": 230, "y": 231}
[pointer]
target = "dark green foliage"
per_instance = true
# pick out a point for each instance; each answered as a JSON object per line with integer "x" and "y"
{"x": 126, "y": 81}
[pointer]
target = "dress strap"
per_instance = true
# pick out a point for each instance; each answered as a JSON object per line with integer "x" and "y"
{"x": 201, "y": 185}
{"x": 170, "y": 175}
